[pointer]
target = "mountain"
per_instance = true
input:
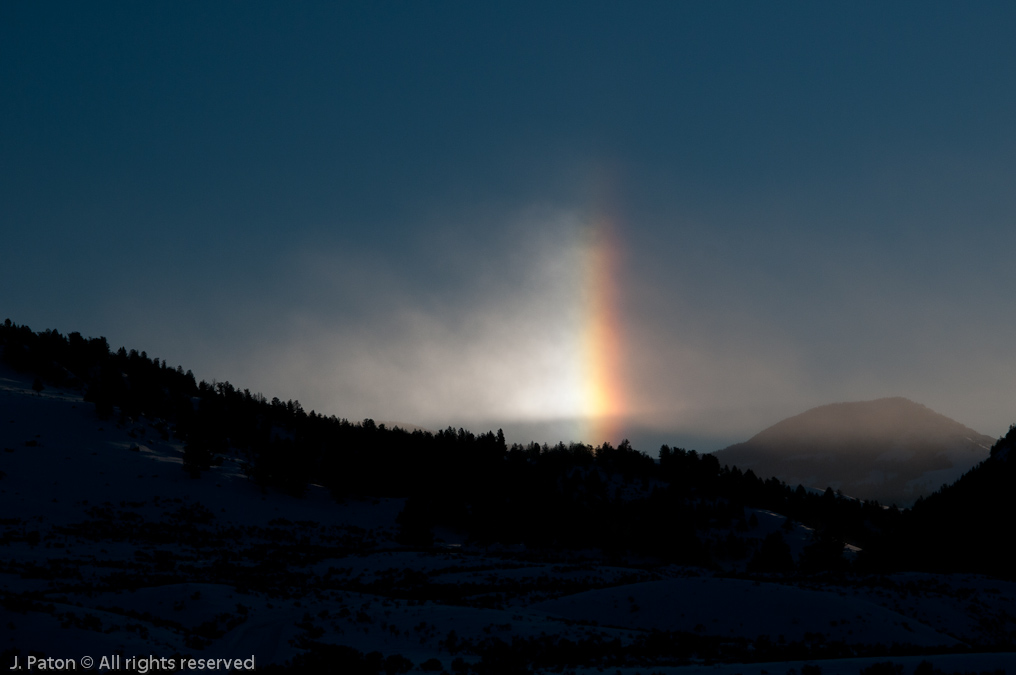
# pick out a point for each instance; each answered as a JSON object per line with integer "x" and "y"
{"x": 145, "y": 513}
{"x": 109, "y": 547}
{"x": 890, "y": 449}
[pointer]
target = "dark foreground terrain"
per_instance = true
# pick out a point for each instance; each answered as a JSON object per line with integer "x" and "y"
{"x": 116, "y": 540}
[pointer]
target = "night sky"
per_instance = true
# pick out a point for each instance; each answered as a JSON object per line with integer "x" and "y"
{"x": 673, "y": 222}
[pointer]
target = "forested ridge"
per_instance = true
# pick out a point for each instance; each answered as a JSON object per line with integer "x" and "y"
{"x": 683, "y": 507}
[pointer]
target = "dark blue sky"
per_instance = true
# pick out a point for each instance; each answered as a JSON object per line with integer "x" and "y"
{"x": 376, "y": 207}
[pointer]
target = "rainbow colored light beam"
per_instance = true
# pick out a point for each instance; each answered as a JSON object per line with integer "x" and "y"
{"x": 604, "y": 395}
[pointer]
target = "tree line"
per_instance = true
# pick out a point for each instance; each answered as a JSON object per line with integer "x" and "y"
{"x": 618, "y": 498}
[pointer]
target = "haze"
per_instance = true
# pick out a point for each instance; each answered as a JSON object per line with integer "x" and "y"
{"x": 676, "y": 223}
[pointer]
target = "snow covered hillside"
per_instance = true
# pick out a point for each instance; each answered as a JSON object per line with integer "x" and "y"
{"x": 107, "y": 546}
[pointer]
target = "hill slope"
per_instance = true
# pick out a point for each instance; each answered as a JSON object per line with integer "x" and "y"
{"x": 109, "y": 547}
{"x": 967, "y": 526}
{"x": 889, "y": 449}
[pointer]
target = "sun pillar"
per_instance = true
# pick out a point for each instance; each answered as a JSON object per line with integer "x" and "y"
{"x": 603, "y": 369}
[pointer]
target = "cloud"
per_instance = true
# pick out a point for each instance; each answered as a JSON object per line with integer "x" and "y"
{"x": 735, "y": 315}
{"x": 481, "y": 332}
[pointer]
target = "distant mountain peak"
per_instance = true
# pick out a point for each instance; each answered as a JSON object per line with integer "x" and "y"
{"x": 890, "y": 449}
{"x": 877, "y": 419}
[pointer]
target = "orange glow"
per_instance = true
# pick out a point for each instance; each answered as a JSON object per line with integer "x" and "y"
{"x": 603, "y": 387}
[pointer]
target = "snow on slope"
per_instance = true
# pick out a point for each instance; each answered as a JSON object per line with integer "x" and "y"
{"x": 104, "y": 549}
{"x": 740, "y": 607}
